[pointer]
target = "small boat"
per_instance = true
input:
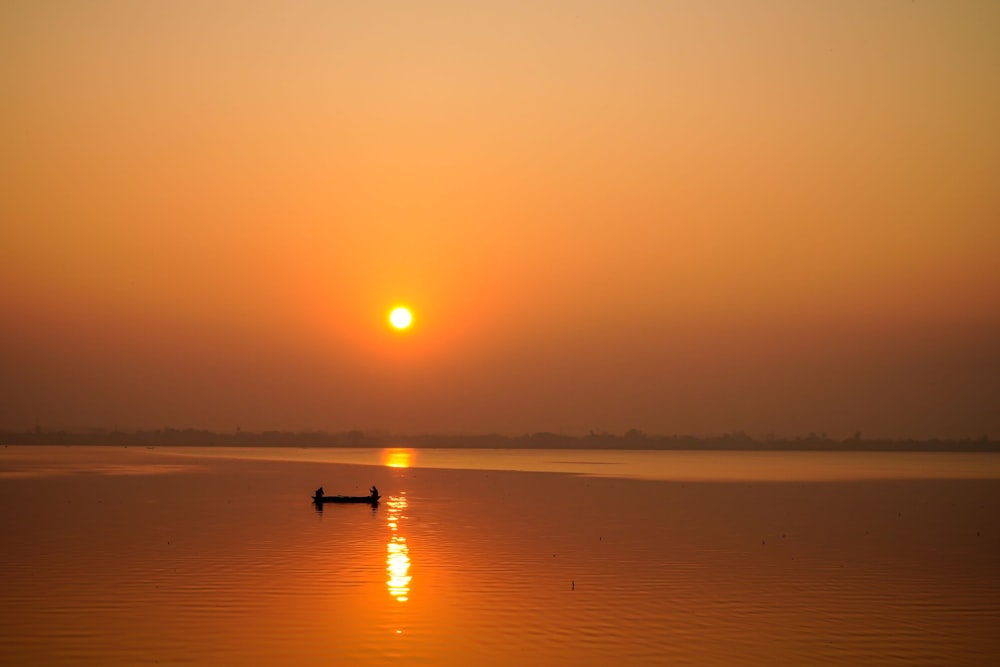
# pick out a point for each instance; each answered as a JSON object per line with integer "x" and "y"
{"x": 369, "y": 500}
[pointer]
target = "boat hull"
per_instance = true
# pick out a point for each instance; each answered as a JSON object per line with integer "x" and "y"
{"x": 367, "y": 500}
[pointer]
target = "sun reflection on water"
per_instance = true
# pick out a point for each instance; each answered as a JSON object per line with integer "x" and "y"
{"x": 398, "y": 457}
{"x": 397, "y": 559}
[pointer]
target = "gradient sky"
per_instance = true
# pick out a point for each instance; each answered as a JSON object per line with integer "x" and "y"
{"x": 683, "y": 217}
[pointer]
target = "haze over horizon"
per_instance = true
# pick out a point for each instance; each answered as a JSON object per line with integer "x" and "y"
{"x": 679, "y": 217}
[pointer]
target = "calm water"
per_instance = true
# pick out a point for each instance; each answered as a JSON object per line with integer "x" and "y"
{"x": 133, "y": 556}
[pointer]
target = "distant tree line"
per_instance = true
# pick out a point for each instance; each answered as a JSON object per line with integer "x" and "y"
{"x": 632, "y": 439}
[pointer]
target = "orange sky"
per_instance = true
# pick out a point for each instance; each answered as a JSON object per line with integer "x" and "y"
{"x": 683, "y": 217}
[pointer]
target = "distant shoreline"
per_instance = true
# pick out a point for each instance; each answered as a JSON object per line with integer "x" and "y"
{"x": 632, "y": 440}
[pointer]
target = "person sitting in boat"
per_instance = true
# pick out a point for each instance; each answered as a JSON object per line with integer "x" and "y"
{"x": 374, "y": 491}
{"x": 319, "y": 492}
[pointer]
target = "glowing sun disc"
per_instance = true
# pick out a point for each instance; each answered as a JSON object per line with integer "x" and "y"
{"x": 401, "y": 318}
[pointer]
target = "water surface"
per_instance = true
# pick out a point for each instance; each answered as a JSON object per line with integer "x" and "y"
{"x": 131, "y": 556}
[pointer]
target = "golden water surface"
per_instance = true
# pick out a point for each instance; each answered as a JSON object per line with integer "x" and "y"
{"x": 132, "y": 556}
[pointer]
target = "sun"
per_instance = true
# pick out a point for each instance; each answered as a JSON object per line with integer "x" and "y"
{"x": 401, "y": 318}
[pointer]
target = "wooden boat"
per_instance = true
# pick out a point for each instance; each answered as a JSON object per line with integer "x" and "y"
{"x": 370, "y": 500}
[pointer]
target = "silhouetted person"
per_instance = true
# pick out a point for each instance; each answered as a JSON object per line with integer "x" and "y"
{"x": 319, "y": 492}
{"x": 374, "y": 491}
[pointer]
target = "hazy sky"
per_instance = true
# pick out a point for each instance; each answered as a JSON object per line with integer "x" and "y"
{"x": 683, "y": 217}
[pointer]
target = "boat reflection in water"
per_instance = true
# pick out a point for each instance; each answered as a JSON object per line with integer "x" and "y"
{"x": 397, "y": 559}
